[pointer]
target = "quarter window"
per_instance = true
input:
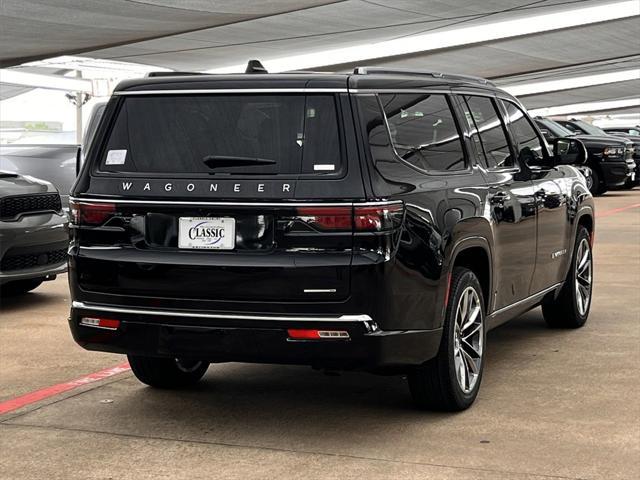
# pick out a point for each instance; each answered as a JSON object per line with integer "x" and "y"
{"x": 529, "y": 145}
{"x": 423, "y": 131}
{"x": 488, "y": 130}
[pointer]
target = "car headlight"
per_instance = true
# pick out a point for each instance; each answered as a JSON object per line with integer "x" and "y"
{"x": 613, "y": 151}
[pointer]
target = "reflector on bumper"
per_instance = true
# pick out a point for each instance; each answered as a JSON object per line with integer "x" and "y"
{"x": 310, "y": 334}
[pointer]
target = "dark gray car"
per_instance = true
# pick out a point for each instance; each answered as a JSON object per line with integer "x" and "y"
{"x": 33, "y": 233}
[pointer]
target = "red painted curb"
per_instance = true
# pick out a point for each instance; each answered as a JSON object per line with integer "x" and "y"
{"x": 32, "y": 397}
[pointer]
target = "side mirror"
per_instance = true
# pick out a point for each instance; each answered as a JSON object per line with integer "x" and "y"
{"x": 79, "y": 160}
{"x": 569, "y": 151}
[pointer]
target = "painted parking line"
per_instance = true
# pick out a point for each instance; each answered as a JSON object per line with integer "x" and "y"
{"x": 38, "y": 395}
{"x": 607, "y": 213}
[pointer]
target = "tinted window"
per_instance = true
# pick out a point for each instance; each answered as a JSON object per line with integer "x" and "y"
{"x": 487, "y": 130}
{"x": 423, "y": 131}
{"x": 571, "y": 127}
{"x": 244, "y": 134}
{"x": 529, "y": 144}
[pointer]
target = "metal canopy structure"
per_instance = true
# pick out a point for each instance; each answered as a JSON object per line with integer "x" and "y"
{"x": 513, "y": 42}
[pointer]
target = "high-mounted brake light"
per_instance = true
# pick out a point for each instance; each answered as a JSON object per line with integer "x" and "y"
{"x": 312, "y": 334}
{"x": 104, "y": 323}
{"x": 91, "y": 213}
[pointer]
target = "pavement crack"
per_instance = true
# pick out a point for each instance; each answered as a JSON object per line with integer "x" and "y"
{"x": 284, "y": 450}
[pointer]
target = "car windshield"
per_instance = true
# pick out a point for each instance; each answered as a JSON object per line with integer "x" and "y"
{"x": 555, "y": 128}
{"x": 588, "y": 128}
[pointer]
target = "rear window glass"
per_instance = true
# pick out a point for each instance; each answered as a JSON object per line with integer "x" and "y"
{"x": 228, "y": 134}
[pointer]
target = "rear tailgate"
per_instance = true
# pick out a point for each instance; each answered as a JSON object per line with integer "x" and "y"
{"x": 278, "y": 253}
{"x": 241, "y": 198}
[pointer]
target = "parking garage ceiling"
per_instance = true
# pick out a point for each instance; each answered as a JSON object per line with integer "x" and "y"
{"x": 202, "y": 35}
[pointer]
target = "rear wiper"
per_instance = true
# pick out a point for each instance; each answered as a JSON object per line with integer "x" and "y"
{"x": 221, "y": 161}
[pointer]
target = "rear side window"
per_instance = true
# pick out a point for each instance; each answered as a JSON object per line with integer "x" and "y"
{"x": 423, "y": 131}
{"x": 228, "y": 134}
{"x": 488, "y": 130}
{"x": 530, "y": 147}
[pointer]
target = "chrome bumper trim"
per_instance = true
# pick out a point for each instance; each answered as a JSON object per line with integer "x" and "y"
{"x": 225, "y": 316}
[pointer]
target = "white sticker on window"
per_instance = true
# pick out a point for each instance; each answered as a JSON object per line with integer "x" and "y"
{"x": 324, "y": 167}
{"x": 115, "y": 157}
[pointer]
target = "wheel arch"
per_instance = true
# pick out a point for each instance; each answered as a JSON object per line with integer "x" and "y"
{"x": 475, "y": 254}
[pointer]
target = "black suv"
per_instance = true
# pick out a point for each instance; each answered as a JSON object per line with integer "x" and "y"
{"x": 380, "y": 220}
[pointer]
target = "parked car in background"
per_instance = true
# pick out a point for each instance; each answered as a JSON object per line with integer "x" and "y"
{"x": 381, "y": 220}
{"x": 633, "y": 151}
{"x": 53, "y": 162}
{"x": 633, "y": 131}
{"x": 33, "y": 233}
{"x": 609, "y": 158}
{"x": 636, "y": 153}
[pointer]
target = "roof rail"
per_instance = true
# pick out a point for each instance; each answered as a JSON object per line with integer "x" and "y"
{"x": 172, "y": 74}
{"x": 402, "y": 71}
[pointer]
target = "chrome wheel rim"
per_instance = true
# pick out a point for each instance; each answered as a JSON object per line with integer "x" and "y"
{"x": 583, "y": 276}
{"x": 187, "y": 366}
{"x": 589, "y": 182}
{"x": 468, "y": 339}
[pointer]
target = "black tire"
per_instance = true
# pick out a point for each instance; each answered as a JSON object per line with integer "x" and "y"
{"x": 629, "y": 184}
{"x": 435, "y": 385}
{"x": 20, "y": 287}
{"x": 566, "y": 310}
{"x": 168, "y": 373}
{"x": 597, "y": 187}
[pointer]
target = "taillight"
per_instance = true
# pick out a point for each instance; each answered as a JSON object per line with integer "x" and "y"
{"x": 366, "y": 218}
{"x": 91, "y": 213}
{"x": 377, "y": 218}
{"x": 327, "y": 218}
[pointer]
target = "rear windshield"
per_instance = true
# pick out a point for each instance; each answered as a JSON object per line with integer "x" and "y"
{"x": 225, "y": 134}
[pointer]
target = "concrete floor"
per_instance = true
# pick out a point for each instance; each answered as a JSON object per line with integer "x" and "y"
{"x": 553, "y": 404}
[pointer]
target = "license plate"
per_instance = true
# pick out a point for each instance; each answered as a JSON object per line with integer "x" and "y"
{"x": 215, "y": 233}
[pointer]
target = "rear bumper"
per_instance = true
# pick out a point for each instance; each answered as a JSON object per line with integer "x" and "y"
{"x": 254, "y": 338}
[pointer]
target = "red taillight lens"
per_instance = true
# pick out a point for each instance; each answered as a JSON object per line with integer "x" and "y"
{"x": 106, "y": 323}
{"x": 306, "y": 334}
{"x": 370, "y": 218}
{"x": 91, "y": 213}
{"x": 377, "y": 218}
{"x": 327, "y": 218}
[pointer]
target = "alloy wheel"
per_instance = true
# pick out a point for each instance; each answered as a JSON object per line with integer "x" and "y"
{"x": 589, "y": 182}
{"x": 583, "y": 276}
{"x": 468, "y": 339}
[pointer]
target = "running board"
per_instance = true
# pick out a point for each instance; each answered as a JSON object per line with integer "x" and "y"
{"x": 505, "y": 314}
